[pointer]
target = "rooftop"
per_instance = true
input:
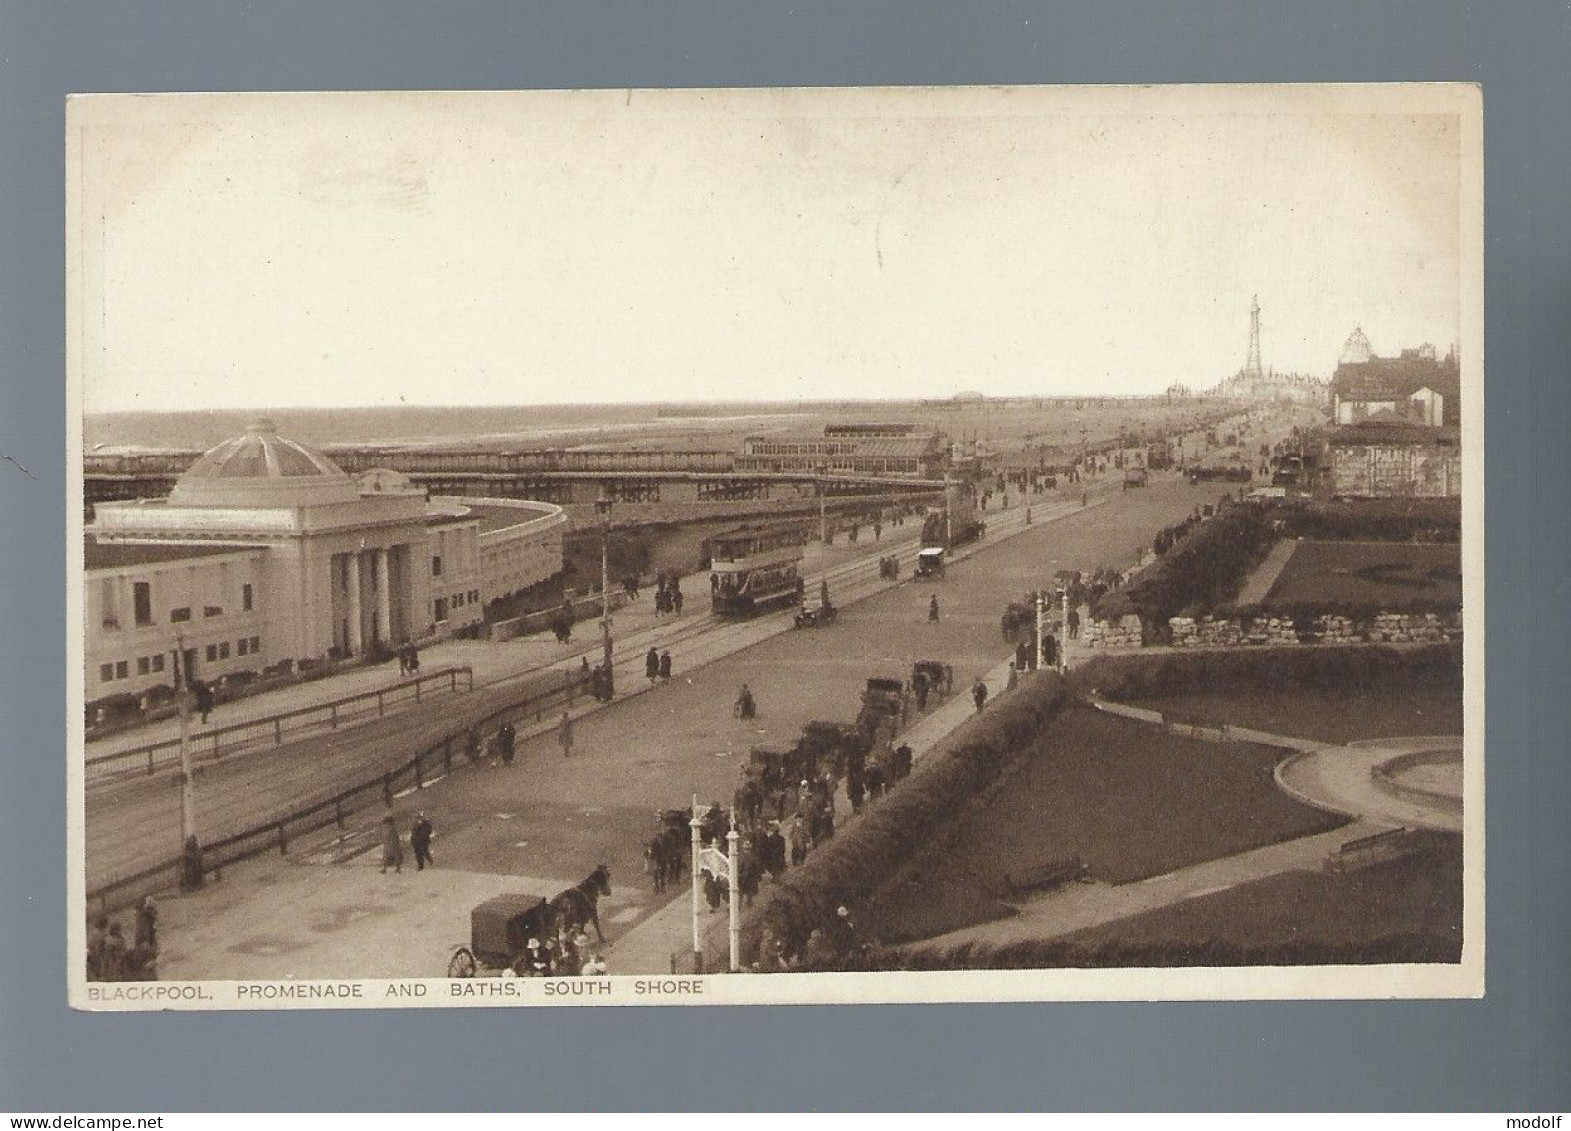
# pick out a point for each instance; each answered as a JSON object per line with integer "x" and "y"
{"x": 117, "y": 555}
{"x": 261, "y": 468}
{"x": 1385, "y": 429}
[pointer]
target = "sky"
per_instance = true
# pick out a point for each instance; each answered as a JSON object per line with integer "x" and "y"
{"x": 556, "y": 247}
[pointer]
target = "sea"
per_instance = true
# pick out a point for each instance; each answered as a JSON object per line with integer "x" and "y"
{"x": 498, "y": 426}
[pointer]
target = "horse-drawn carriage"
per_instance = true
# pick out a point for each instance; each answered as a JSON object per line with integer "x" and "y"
{"x": 1019, "y": 617}
{"x": 938, "y": 676}
{"x": 930, "y": 562}
{"x": 501, "y": 928}
{"x": 499, "y": 931}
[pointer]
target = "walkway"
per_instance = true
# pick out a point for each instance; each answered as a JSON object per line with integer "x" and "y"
{"x": 551, "y": 819}
{"x": 1264, "y": 577}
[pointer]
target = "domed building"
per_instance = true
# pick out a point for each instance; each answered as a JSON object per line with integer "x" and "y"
{"x": 265, "y": 551}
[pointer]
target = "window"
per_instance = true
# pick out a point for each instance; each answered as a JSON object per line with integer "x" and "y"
{"x": 158, "y": 661}
{"x": 143, "y": 665}
{"x": 212, "y": 610}
{"x": 212, "y": 652}
{"x": 436, "y": 565}
{"x": 142, "y": 602}
{"x": 474, "y": 595}
{"x": 122, "y": 669}
{"x": 176, "y": 616}
{"x": 242, "y": 646}
{"x": 245, "y": 597}
{"x": 256, "y": 644}
{"x": 106, "y": 672}
{"x": 106, "y": 602}
{"x": 223, "y": 650}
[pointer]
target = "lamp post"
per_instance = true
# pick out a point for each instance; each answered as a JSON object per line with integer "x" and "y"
{"x": 734, "y": 890}
{"x": 695, "y": 825}
{"x": 603, "y": 510}
{"x": 190, "y": 846}
{"x": 823, "y": 514}
{"x": 1036, "y": 657}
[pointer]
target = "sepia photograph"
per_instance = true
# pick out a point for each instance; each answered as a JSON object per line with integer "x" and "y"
{"x": 630, "y": 547}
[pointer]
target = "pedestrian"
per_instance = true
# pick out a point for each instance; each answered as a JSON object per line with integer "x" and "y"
{"x": 932, "y": 609}
{"x": 799, "y": 841}
{"x": 1014, "y": 677}
{"x": 676, "y": 597}
{"x": 420, "y": 840}
{"x": 919, "y": 689}
{"x": 111, "y": 963}
{"x": 595, "y": 967}
{"x": 746, "y": 708}
{"x": 564, "y": 734}
{"x": 472, "y": 744}
{"x": 97, "y": 937}
{"x": 823, "y": 592}
{"x": 414, "y": 660}
{"x": 147, "y": 924}
{"x": 403, "y": 660}
{"x": 1074, "y": 622}
{"x": 652, "y": 663}
{"x": 856, "y": 790}
{"x": 506, "y": 740}
{"x": 392, "y": 846}
{"x": 665, "y": 664}
{"x": 204, "y": 698}
{"x": 979, "y": 693}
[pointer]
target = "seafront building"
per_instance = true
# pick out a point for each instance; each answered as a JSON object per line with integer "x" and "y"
{"x": 265, "y": 552}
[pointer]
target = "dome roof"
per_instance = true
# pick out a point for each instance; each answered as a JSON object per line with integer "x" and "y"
{"x": 1356, "y": 350}
{"x": 260, "y": 468}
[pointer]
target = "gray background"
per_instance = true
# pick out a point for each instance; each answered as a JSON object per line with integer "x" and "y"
{"x": 1508, "y": 1052}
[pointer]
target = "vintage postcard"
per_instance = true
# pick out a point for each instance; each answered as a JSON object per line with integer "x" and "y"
{"x": 767, "y": 546}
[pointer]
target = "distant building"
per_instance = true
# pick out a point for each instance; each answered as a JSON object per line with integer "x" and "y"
{"x": 887, "y": 450}
{"x": 1395, "y": 458}
{"x": 266, "y": 551}
{"x": 1415, "y": 385}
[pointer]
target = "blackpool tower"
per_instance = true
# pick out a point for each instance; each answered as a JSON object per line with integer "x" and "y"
{"x": 1252, "y": 369}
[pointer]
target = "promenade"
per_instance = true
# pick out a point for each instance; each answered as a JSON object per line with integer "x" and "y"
{"x": 545, "y": 822}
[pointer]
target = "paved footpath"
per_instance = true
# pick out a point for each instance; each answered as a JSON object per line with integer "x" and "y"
{"x": 549, "y": 820}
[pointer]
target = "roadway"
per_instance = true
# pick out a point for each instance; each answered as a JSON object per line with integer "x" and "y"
{"x": 548, "y": 820}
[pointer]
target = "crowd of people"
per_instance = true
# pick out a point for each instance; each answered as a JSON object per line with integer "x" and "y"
{"x": 110, "y": 958}
{"x": 566, "y": 954}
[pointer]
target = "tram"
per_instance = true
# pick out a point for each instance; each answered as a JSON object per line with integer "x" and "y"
{"x": 754, "y": 568}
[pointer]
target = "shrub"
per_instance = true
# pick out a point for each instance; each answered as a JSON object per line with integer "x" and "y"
{"x": 869, "y": 850}
{"x": 1204, "y": 565}
{"x": 1332, "y": 668}
{"x": 1048, "y": 954}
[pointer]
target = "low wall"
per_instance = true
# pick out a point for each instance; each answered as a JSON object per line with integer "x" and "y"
{"x": 583, "y": 608}
{"x": 1232, "y": 632}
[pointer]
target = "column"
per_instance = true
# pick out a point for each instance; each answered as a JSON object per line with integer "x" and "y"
{"x": 384, "y": 598}
{"x": 356, "y": 640}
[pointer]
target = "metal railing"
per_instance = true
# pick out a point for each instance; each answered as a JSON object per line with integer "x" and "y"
{"x": 210, "y": 745}
{"x": 275, "y": 833}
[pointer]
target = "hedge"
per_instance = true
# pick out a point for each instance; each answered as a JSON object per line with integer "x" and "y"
{"x": 869, "y": 850}
{"x": 1331, "y": 668}
{"x": 1050, "y": 954}
{"x": 1204, "y": 567}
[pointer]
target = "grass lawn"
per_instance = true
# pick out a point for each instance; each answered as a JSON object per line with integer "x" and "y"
{"x": 1417, "y": 896}
{"x": 1409, "y": 706}
{"x": 1128, "y": 800}
{"x": 1376, "y": 573}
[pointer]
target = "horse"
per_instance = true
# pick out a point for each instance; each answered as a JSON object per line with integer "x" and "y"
{"x": 665, "y": 856}
{"x": 577, "y": 905}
